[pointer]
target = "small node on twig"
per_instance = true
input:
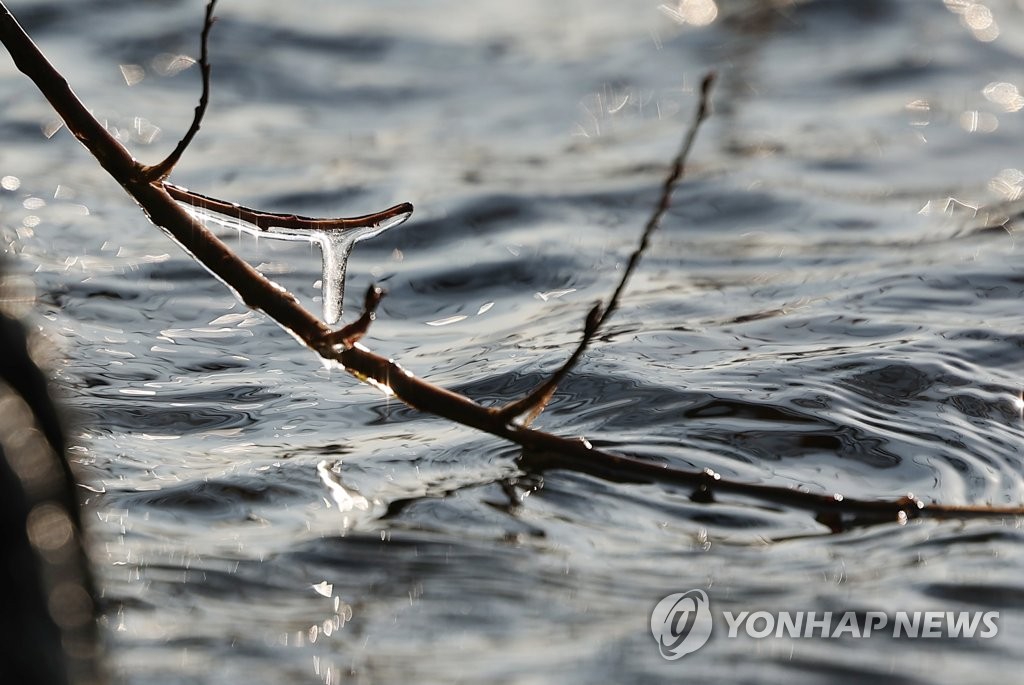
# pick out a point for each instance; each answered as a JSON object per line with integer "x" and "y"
{"x": 162, "y": 170}
{"x": 349, "y": 335}
{"x": 534, "y": 403}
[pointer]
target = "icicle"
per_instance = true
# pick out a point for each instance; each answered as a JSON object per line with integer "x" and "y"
{"x": 335, "y": 250}
{"x": 335, "y": 247}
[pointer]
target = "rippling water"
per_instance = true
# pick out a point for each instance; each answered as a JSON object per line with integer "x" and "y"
{"x": 833, "y": 302}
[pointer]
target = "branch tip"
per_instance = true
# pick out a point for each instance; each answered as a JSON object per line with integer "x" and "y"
{"x": 593, "y": 319}
{"x": 534, "y": 402}
{"x": 374, "y": 294}
{"x": 707, "y": 83}
{"x": 160, "y": 171}
{"x": 349, "y": 335}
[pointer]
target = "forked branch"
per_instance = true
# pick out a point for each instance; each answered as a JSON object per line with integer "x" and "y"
{"x": 160, "y": 201}
{"x": 349, "y": 335}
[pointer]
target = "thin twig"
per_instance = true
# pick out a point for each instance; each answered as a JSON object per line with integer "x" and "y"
{"x": 535, "y": 402}
{"x": 260, "y": 219}
{"x": 268, "y": 220}
{"x": 159, "y": 172}
{"x": 353, "y": 332}
{"x": 260, "y": 293}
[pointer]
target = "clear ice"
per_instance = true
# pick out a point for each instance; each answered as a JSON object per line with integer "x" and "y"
{"x": 335, "y": 248}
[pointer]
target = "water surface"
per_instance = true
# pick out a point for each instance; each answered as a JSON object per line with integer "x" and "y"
{"x": 832, "y": 303}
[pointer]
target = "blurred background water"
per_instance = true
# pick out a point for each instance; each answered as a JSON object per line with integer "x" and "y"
{"x": 832, "y": 303}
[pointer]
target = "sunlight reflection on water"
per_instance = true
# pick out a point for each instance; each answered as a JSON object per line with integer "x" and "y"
{"x": 832, "y": 304}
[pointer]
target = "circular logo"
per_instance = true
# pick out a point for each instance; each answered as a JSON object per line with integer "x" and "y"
{"x": 681, "y": 623}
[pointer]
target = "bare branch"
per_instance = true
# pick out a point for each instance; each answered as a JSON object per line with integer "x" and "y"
{"x": 534, "y": 403}
{"x": 260, "y": 293}
{"x": 159, "y": 172}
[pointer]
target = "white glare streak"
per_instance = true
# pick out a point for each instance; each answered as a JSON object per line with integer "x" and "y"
{"x": 447, "y": 321}
{"x": 230, "y": 319}
{"x": 346, "y": 498}
{"x": 386, "y": 389}
{"x": 554, "y": 294}
{"x": 953, "y": 205}
{"x": 167, "y": 64}
{"x": 51, "y": 127}
{"x": 132, "y": 73}
{"x": 1008, "y": 183}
